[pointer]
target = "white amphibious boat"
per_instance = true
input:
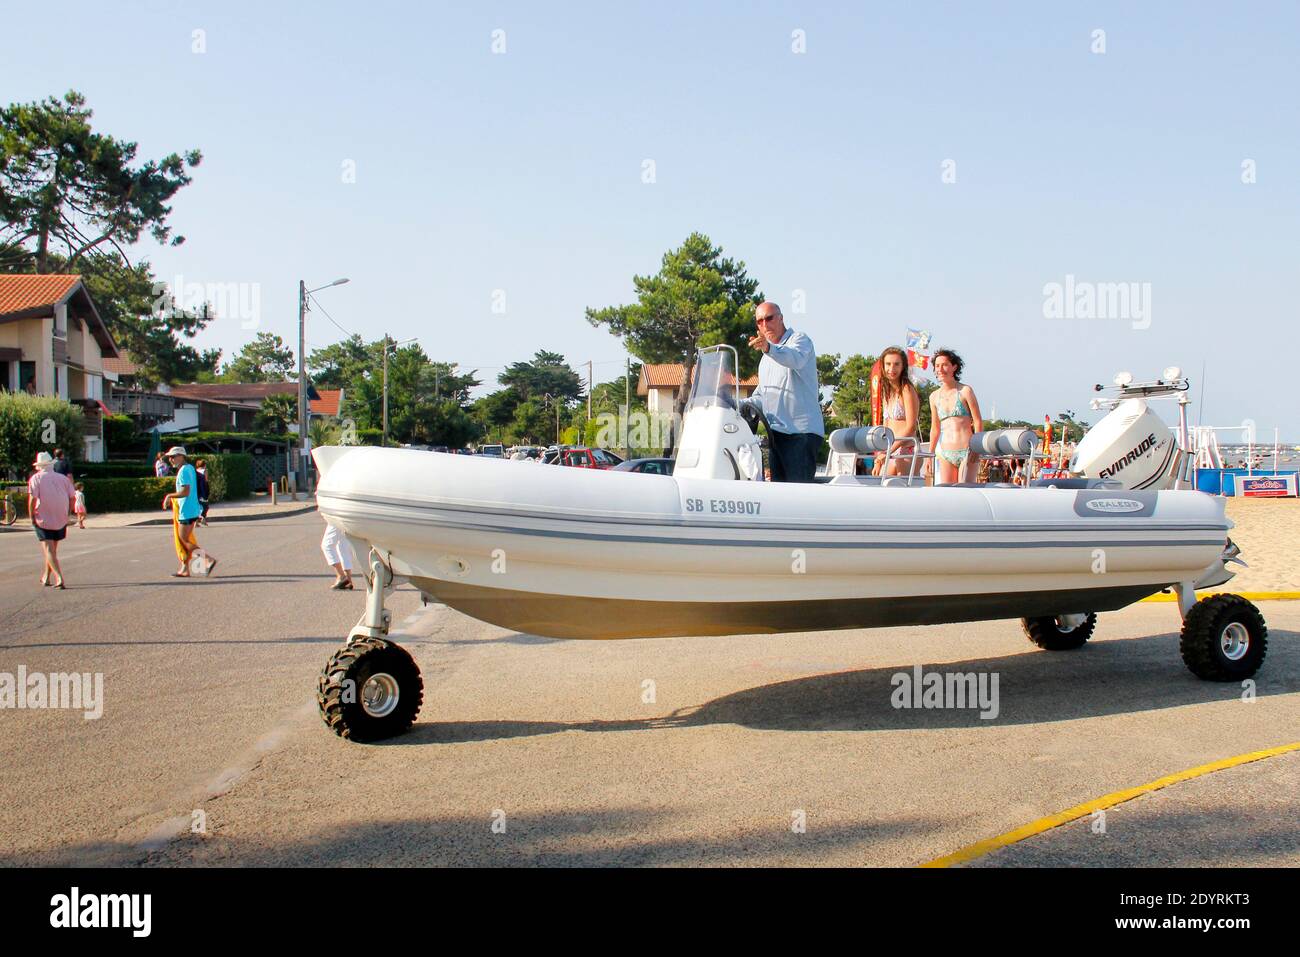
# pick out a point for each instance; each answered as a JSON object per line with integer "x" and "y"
{"x": 577, "y": 553}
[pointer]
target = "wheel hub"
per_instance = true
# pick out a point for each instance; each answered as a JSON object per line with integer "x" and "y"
{"x": 379, "y": 695}
{"x": 1067, "y": 623}
{"x": 1234, "y": 641}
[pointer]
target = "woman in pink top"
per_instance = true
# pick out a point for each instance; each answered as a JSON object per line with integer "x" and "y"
{"x": 50, "y": 497}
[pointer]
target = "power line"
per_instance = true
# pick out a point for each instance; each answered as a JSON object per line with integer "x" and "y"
{"x": 328, "y": 316}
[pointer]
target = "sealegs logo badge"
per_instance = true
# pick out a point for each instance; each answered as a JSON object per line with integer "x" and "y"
{"x": 1112, "y": 505}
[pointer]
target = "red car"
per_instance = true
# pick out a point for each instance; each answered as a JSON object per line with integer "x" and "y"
{"x": 585, "y": 458}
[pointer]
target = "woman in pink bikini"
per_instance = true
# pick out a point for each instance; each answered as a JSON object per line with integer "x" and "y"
{"x": 900, "y": 410}
{"x": 954, "y": 418}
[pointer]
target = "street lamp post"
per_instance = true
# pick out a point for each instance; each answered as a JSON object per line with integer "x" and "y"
{"x": 387, "y": 346}
{"x": 302, "y": 471}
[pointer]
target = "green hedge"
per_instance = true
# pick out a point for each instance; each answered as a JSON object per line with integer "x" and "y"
{"x": 114, "y": 469}
{"x": 194, "y": 438}
{"x": 127, "y": 494}
{"x": 230, "y": 475}
{"x": 225, "y": 472}
{"x": 119, "y": 432}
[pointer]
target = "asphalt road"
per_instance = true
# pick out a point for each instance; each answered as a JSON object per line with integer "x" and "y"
{"x": 738, "y": 750}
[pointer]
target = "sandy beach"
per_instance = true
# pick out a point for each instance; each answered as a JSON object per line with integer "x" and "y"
{"x": 1268, "y": 531}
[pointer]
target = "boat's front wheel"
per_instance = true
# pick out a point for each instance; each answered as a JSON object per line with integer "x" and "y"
{"x": 1224, "y": 638}
{"x": 1060, "y": 632}
{"x": 370, "y": 689}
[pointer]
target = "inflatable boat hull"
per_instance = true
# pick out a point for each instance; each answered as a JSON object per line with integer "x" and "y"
{"x": 575, "y": 553}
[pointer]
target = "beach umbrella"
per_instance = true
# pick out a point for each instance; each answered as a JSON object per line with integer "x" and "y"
{"x": 155, "y": 444}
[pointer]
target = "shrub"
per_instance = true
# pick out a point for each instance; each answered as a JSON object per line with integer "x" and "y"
{"x": 127, "y": 494}
{"x": 230, "y": 475}
{"x": 188, "y": 439}
{"x": 34, "y": 423}
{"x": 119, "y": 432}
{"x": 114, "y": 469}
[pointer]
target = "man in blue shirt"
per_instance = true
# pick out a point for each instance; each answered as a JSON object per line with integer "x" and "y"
{"x": 790, "y": 395}
{"x": 186, "y": 509}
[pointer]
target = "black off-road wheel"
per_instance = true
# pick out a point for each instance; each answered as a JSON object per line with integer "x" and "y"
{"x": 1224, "y": 638}
{"x": 370, "y": 689}
{"x": 1051, "y": 635}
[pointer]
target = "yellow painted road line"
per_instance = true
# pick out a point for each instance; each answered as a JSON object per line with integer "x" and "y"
{"x": 980, "y": 848}
{"x": 1248, "y": 595}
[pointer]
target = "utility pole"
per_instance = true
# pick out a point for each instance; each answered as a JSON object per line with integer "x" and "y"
{"x": 385, "y": 414}
{"x": 301, "y": 469}
{"x": 627, "y": 403}
{"x": 588, "y": 390}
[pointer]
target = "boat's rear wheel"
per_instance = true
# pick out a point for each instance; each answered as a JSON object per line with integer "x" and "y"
{"x": 1060, "y": 632}
{"x": 369, "y": 690}
{"x": 1224, "y": 638}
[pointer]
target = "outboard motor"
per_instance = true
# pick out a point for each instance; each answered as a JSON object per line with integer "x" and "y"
{"x": 717, "y": 441}
{"x": 1132, "y": 445}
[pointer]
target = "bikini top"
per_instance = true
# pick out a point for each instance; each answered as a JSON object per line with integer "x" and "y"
{"x": 896, "y": 411}
{"x": 959, "y": 408}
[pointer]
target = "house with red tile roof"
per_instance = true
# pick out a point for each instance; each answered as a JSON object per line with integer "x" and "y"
{"x": 661, "y": 383}
{"x": 329, "y": 403}
{"x": 228, "y": 406}
{"x": 54, "y": 342}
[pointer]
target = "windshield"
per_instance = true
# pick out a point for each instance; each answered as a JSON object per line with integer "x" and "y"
{"x": 715, "y": 378}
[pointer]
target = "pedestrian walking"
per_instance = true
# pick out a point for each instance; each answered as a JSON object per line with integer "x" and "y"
{"x": 61, "y": 463}
{"x": 50, "y": 498}
{"x": 160, "y": 467}
{"x": 338, "y": 553}
{"x": 201, "y": 468}
{"x": 79, "y": 508}
{"x": 186, "y": 510}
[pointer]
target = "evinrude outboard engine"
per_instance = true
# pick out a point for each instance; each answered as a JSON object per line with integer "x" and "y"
{"x": 1132, "y": 445}
{"x": 717, "y": 442}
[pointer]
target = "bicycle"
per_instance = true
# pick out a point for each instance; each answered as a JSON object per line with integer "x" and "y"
{"x": 10, "y": 510}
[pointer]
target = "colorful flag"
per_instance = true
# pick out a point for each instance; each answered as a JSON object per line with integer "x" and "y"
{"x": 920, "y": 363}
{"x": 919, "y": 340}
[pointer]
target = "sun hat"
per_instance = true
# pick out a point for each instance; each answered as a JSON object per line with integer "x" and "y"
{"x": 43, "y": 460}
{"x": 176, "y": 450}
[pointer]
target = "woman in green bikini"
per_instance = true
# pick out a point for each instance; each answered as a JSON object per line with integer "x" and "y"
{"x": 954, "y": 418}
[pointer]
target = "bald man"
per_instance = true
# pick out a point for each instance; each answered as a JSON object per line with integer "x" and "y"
{"x": 790, "y": 395}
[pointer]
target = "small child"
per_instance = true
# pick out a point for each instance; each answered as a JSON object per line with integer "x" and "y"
{"x": 79, "y": 509}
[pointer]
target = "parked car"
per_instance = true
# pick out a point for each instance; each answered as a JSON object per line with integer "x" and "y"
{"x": 552, "y": 453}
{"x": 587, "y": 458}
{"x": 648, "y": 466}
{"x": 499, "y": 451}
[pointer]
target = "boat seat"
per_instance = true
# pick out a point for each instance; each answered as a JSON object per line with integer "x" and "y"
{"x": 863, "y": 480}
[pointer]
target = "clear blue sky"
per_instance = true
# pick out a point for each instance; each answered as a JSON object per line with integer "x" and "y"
{"x": 821, "y": 170}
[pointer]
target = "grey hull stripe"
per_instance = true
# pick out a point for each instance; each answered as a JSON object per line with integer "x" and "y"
{"x": 1093, "y": 523}
{"x": 788, "y": 543}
